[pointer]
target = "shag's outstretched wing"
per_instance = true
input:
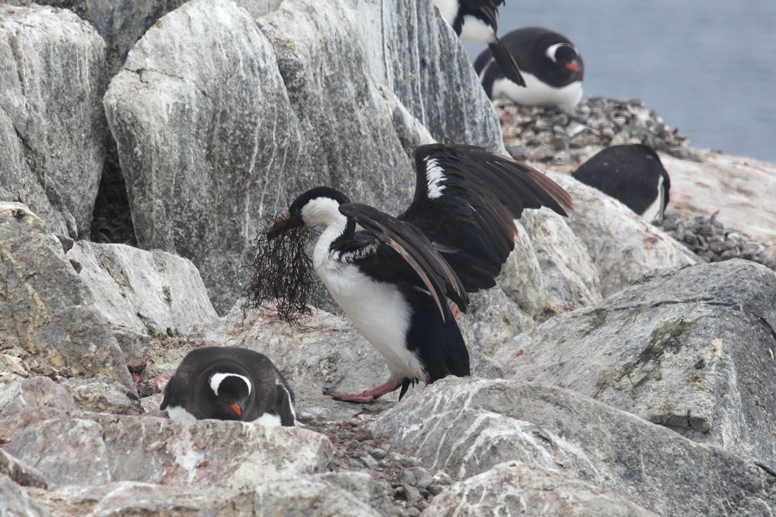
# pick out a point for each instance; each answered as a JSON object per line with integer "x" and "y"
{"x": 466, "y": 200}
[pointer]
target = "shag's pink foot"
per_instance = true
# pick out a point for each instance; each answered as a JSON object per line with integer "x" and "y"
{"x": 365, "y": 397}
{"x": 456, "y": 313}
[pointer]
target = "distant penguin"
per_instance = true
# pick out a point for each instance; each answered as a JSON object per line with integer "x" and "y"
{"x": 632, "y": 174}
{"x": 551, "y": 66}
{"x": 229, "y": 383}
{"x": 474, "y": 21}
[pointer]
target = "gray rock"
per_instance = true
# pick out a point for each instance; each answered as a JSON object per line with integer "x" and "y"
{"x": 53, "y": 131}
{"x": 20, "y": 473}
{"x": 325, "y": 495}
{"x": 15, "y": 502}
{"x": 307, "y": 495}
{"x": 28, "y": 401}
{"x": 144, "y": 291}
{"x": 52, "y": 323}
{"x": 686, "y": 348}
{"x": 122, "y": 24}
{"x": 93, "y": 449}
{"x": 514, "y": 488}
{"x": 207, "y": 141}
{"x": 134, "y": 498}
{"x": 363, "y": 487}
{"x": 621, "y": 244}
{"x": 102, "y": 395}
{"x": 468, "y": 426}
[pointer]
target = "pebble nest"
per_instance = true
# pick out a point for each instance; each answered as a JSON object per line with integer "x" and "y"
{"x": 569, "y": 136}
{"x": 712, "y": 242}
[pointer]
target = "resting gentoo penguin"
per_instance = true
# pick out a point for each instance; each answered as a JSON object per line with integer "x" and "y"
{"x": 551, "y": 66}
{"x": 633, "y": 174}
{"x": 475, "y": 21}
{"x": 229, "y": 383}
{"x": 393, "y": 278}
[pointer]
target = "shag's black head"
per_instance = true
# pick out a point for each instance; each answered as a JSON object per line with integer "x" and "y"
{"x": 293, "y": 217}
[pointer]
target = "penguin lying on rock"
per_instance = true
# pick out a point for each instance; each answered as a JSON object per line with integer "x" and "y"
{"x": 229, "y": 383}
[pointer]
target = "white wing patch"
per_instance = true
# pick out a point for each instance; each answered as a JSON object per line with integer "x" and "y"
{"x": 218, "y": 378}
{"x": 351, "y": 256}
{"x": 435, "y": 176}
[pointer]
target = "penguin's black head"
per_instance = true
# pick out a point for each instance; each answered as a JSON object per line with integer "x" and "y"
{"x": 567, "y": 56}
{"x": 228, "y": 395}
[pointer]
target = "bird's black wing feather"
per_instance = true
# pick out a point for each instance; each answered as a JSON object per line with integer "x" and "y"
{"x": 402, "y": 253}
{"x": 466, "y": 200}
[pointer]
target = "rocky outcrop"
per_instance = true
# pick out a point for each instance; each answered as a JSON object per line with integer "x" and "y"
{"x": 691, "y": 349}
{"x": 469, "y": 426}
{"x": 49, "y": 318}
{"x": 517, "y": 489}
{"x": 53, "y": 131}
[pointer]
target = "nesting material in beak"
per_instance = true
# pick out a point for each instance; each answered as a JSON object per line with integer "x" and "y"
{"x": 282, "y": 271}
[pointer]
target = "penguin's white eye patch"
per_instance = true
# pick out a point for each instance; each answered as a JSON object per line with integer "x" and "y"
{"x": 218, "y": 378}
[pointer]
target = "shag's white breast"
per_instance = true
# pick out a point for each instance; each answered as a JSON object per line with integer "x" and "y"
{"x": 377, "y": 309}
{"x": 538, "y": 93}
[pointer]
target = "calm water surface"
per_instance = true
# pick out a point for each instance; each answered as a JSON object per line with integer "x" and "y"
{"x": 708, "y": 67}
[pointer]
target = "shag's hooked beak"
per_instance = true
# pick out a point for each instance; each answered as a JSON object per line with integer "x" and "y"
{"x": 281, "y": 226}
{"x": 573, "y": 66}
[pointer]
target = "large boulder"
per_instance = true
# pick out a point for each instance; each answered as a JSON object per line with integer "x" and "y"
{"x": 212, "y": 143}
{"x": 144, "y": 291}
{"x": 622, "y": 245}
{"x": 514, "y": 488}
{"x": 691, "y": 349}
{"x": 51, "y": 321}
{"x": 469, "y": 426}
{"x": 53, "y": 132}
{"x": 94, "y": 448}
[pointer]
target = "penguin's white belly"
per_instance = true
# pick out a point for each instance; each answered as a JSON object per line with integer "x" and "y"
{"x": 378, "y": 310}
{"x": 538, "y": 93}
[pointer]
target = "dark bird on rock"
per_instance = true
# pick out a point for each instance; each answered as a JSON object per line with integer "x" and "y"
{"x": 229, "y": 383}
{"x": 393, "y": 277}
{"x": 475, "y": 21}
{"x": 632, "y": 174}
{"x": 551, "y": 65}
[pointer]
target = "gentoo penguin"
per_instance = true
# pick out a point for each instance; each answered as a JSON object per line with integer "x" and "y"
{"x": 475, "y": 21}
{"x": 393, "y": 277}
{"x": 229, "y": 383}
{"x": 632, "y": 174}
{"x": 551, "y": 65}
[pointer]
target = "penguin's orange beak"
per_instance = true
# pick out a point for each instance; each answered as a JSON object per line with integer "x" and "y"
{"x": 573, "y": 66}
{"x": 236, "y": 409}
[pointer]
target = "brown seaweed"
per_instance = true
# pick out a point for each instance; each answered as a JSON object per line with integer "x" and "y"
{"x": 282, "y": 272}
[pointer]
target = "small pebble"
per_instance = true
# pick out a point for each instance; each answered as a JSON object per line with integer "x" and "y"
{"x": 378, "y": 453}
{"x": 370, "y": 462}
